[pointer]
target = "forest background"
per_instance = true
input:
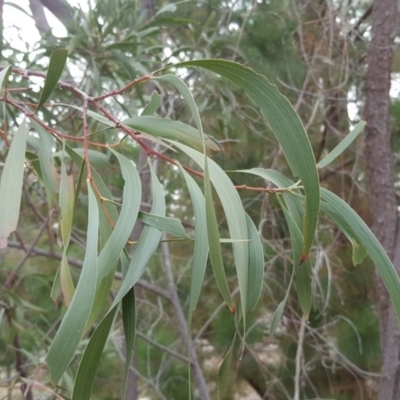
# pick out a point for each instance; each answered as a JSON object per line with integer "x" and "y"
{"x": 335, "y": 61}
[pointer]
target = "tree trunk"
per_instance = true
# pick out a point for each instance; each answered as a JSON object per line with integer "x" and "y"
{"x": 60, "y": 9}
{"x": 38, "y": 15}
{"x": 381, "y": 180}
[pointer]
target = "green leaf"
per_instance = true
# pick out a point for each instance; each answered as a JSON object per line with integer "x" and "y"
{"x": 66, "y": 203}
{"x": 4, "y": 75}
{"x": 348, "y": 221}
{"x": 287, "y": 127}
{"x": 58, "y": 59}
{"x": 293, "y": 202}
{"x": 159, "y": 128}
{"x": 225, "y": 371}
{"x": 293, "y": 210}
{"x": 214, "y": 246}
{"x": 200, "y": 252}
{"x": 147, "y": 244}
{"x": 235, "y": 217}
{"x": 44, "y": 146}
{"x": 94, "y": 115}
{"x": 170, "y": 7}
{"x": 303, "y": 271}
{"x": 211, "y": 226}
{"x": 276, "y": 318}
{"x": 343, "y": 145}
{"x": 96, "y": 158}
{"x": 88, "y": 366}
{"x": 359, "y": 251}
{"x": 256, "y": 265}
{"x": 172, "y": 226}
{"x": 105, "y": 231}
{"x": 153, "y": 105}
{"x": 55, "y": 289}
{"x": 11, "y": 184}
{"x": 115, "y": 244}
{"x": 168, "y": 129}
{"x": 129, "y": 322}
{"x": 70, "y": 332}
{"x": 66, "y": 283}
{"x": 303, "y": 275}
{"x": 187, "y": 95}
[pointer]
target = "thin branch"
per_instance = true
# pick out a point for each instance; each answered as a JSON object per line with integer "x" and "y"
{"x": 113, "y": 93}
{"x": 262, "y": 189}
{"x": 163, "y": 348}
{"x": 85, "y": 139}
{"x": 12, "y": 275}
{"x": 181, "y": 320}
{"x": 299, "y": 356}
{"x": 35, "y": 251}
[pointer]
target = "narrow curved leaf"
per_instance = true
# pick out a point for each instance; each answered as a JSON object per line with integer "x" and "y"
{"x": 256, "y": 265}
{"x": 235, "y": 217}
{"x": 70, "y": 332}
{"x": 11, "y": 184}
{"x": 187, "y": 95}
{"x": 343, "y": 145}
{"x": 129, "y": 211}
{"x": 276, "y": 318}
{"x": 287, "y": 127}
{"x": 66, "y": 203}
{"x": 200, "y": 252}
{"x": 94, "y": 115}
{"x": 303, "y": 271}
{"x": 119, "y": 236}
{"x": 147, "y": 244}
{"x": 225, "y": 371}
{"x": 172, "y": 226}
{"x": 168, "y": 129}
{"x": 293, "y": 210}
{"x": 96, "y": 158}
{"x": 158, "y": 127}
{"x": 153, "y": 105}
{"x": 86, "y": 373}
{"x": 3, "y": 76}
{"x": 129, "y": 322}
{"x": 66, "y": 283}
{"x": 44, "y": 147}
{"x": 351, "y": 224}
{"x": 293, "y": 202}
{"x": 58, "y": 59}
{"x": 211, "y": 226}
{"x": 214, "y": 246}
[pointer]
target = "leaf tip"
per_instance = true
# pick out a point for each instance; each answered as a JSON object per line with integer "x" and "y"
{"x": 303, "y": 258}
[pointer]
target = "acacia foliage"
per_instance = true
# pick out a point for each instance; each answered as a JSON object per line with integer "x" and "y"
{"x": 55, "y": 155}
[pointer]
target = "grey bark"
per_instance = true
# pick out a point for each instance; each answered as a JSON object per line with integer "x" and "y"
{"x": 381, "y": 179}
{"x": 38, "y": 15}
{"x": 60, "y": 9}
